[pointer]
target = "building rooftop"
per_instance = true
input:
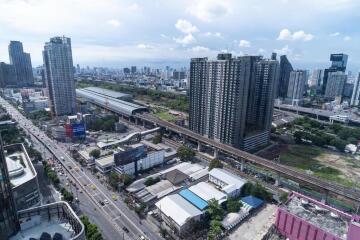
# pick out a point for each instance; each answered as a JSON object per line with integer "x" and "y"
{"x": 19, "y": 165}
{"x": 107, "y": 92}
{"x": 175, "y": 176}
{"x": 111, "y": 103}
{"x": 207, "y": 191}
{"x": 51, "y": 218}
{"x": 232, "y": 181}
{"x": 177, "y": 208}
{"x": 105, "y": 161}
{"x": 331, "y": 220}
{"x": 194, "y": 199}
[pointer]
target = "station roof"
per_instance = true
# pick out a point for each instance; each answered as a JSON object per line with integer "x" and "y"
{"x": 107, "y": 92}
{"x": 177, "y": 208}
{"x": 111, "y": 103}
{"x": 193, "y": 199}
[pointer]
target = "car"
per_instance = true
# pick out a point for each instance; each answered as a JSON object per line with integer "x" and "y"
{"x": 106, "y": 201}
{"x": 125, "y": 229}
{"x": 101, "y": 203}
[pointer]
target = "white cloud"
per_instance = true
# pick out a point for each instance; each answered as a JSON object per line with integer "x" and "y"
{"x": 214, "y": 34}
{"x": 209, "y": 10}
{"x": 113, "y": 22}
{"x": 286, "y": 34}
{"x": 244, "y": 43}
{"x": 347, "y": 38}
{"x": 187, "y": 39}
{"x": 261, "y": 50}
{"x": 335, "y": 34}
{"x": 144, "y": 46}
{"x": 283, "y": 51}
{"x": 163, "y": 35}
{"x": 186, "y": 26}
{"x": 200, "y": 49}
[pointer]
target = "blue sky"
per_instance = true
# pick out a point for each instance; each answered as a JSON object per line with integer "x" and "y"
{"x": 169, "y": 32}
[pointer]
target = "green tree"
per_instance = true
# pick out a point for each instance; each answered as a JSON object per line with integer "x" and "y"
{"x": 233, "y": 205}
{"x": 157, "y": 139}
{"x": 114, "y": 180}
{"x": 215, "y": 163}
{"x": 151, "y": 181}
{"x": 215, "y": 229}
{"x": 215, "y": 211}
{"x": 339, "y": 144}
{"x": 95, "y": 153}
{"x": 185, "y": 153}
{"x": 126, "y": 179}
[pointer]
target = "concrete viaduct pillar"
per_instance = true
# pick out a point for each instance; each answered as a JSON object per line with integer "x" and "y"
{"x": 216, "y": 153}
{"x": 199, "y": 146}
{"x": 277, "y": 180}
{"x": 242, "y": 165}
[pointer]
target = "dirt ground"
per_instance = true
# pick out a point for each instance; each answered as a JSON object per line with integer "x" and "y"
{"x": 255, "y": 227}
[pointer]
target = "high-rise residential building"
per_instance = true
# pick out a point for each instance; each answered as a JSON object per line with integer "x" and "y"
{"x": 356, "y": 93}
{"x": 296, "y": 86}
{"x": 133, "y": 70}
{"x": 7, "y": 75}
{"x": 9, "y": 223}
{"x": 316, "y": 79}
{"x": 22, "y": 64}
{"x": 335, "y": 85}
{"x": 338, "y": 64}
{"x": 231, "y": 99}
{"x": 59, "y": 75}
{"x": 284, "y": 75}
{"x": 178, "y": 75}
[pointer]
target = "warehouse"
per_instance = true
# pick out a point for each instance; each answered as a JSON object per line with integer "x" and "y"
{"x": 229, "y": 183}
{"x": 177, "y": 212}
{"x": 193, "y": 199}
{"x": 207, "y": 191}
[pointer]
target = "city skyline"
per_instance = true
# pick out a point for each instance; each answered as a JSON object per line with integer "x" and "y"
{"x": 112, "y": 33}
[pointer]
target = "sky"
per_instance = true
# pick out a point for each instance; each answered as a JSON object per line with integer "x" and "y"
{"x": 118, "y": 33}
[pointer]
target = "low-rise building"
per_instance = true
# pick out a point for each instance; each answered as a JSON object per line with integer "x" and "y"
{"x": 105, "y": 165}
{"x": 229, "y": 183}
{"x": 177, "y": 212}
{"x": 23, "y": 177}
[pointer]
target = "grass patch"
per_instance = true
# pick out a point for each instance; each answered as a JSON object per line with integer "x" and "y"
{"x": 303, "y": 157}
{"x": 166, "y": 116}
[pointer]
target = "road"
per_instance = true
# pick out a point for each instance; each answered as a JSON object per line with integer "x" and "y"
{"x": 117, "y": 213}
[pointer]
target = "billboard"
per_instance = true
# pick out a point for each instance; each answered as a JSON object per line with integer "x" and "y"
{"x": 75, "y": 130}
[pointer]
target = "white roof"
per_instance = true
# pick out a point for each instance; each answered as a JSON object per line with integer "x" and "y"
{"x": 19, "y": 174}
{"x": 177, "y": 208}
{"x": 105, "y": 161}
{"x": 228, "y": 178}
{"x": 206, "y": 191}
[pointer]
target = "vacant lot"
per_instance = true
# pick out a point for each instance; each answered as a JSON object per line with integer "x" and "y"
{"x": 326, "y": 164}
{"x": 166, "y": 116}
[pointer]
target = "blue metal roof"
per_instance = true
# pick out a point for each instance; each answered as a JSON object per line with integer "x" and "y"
{"x": 252, "y": 201}
{"x": 193, "y": 199}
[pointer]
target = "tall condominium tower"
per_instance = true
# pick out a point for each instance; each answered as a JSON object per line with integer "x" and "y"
{"x": 7, "y": 75}
{"x": 338, "y": 64}
{"x": 284, "y": 75}
{"x": 59, "y": 74}
{"x": 22, "y": 64}
{"x": 335, "y": 85}
{"x": 296, "y": 86}
{"x": 9, "y": 224}
{"x": 231, "y": 99}
{"x": 356, "y": 93}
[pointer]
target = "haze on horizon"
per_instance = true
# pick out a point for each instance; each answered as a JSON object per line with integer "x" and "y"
{"x": 114, "y": 33}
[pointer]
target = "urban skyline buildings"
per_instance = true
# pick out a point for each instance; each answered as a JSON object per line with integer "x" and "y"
{"x": 284, "y": 75}
{"x": 356, "y": 92}
{"x": 231, "y": 99}
{"x": 335, "y": 85}
{"x": 22, "y": 64}
{"x": 59, "y": 75}
{"x": 296, "y": 87}
{"x": 338, "y": 63}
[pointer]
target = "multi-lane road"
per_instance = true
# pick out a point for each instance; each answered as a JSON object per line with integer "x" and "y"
{"x": 125, "y": 221}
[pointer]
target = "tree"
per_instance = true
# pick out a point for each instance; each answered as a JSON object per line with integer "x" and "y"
{"x": 215, "y": 229}
{"x": 215, "y": 163}
{"x": 91, "y": 230}
{"x": 256, "y": 190}
{"x": 114, "y": 180}
{"x": 215, "y": 211}
{"x": 338, "y": 143}
{"x": 233, "y": 205}
{"x": 157, "y": 139}
{"x": 298, "y": 135}
{"x": 185, "y": 153}
{"x": 95, "y": 153}
{"x": 151, "y": 181}
{"x": 126, "y": 179}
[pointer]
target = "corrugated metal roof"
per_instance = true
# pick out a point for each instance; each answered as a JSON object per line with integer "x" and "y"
{"x": 193, "y": 199}
{"x": 107, "y": 92}
{"x": 227, "y": 177}
{"x": 177, "y": 208}
{"x": 254, "y": 202}
{"x": 113, "y": 104}
{"x": 206, "y": 191}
